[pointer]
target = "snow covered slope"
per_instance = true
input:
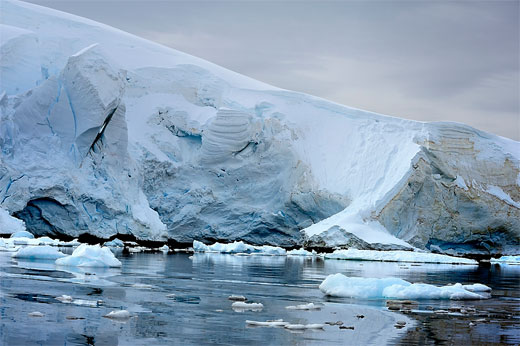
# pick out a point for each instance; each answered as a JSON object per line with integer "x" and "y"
{"x": 119, "y": 135}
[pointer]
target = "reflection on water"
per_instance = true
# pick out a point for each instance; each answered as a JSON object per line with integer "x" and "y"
{"x": 182, "y": 299}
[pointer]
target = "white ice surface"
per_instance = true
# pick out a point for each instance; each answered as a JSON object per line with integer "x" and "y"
{"x": 9, "y": 224}
{"x": 45, "y": 252}
{"x": 339, "y": 285}
{"x": 506, "y": 259}
{"x": 90, "y": 256}
{"x": 238, "y": 247}
{"x": 397, "y": 256}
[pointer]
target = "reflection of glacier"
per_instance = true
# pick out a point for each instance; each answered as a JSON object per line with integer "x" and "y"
{"x": 105, "y": 133}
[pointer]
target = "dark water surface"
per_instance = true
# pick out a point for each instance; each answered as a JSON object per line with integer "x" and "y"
{"x": 178, "y": 299}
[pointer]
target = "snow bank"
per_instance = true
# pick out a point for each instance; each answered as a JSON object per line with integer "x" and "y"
{"x": 397, "y": 256}
{"x": 90, "y": 256}
{"x": 506, "y": 259}
{"x": 339, "y": 285}
{"x": 45, "y": 252}
{"x": 238, "y": 247}
{"x": 9, "y": 224}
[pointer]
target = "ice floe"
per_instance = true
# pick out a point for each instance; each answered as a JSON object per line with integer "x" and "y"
{"x": 114, "y": 243}
{"x": 45, "y": 252}
{"x": 238, "y": 247}
{"x": 310, "y": 306}
{"x": 118, "y": 315}
{"x": 241, "y": 306}
{"x": 339, "y": 285}
{"x": 304, "y": 326}
{"x": 301, "y": 252}
{"x": 90, "y": 256}
{"x": 237, "y": 298}
{"x": 272, "y": 323}
{"x": 507, "y": 259}
{"x": 397, "y": 256}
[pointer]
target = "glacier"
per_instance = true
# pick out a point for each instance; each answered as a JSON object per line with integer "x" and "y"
{"x": 107, "y": 134}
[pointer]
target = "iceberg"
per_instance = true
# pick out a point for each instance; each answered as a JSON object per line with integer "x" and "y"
{"x": 110, "y": 134}
{"x": 114, "y": 243}
{"x": 301, "y": 252}
{"x": 339, "y": 285}
{"x": 90, "y": 256}
{"x": 9, "y": 224}
{"x": 507, "y": 259}
{"x": 397, "y": 256}
{"x": 238, "y": 247}
{"x": 45, "y": 252}
{"x": 22, "y": 234}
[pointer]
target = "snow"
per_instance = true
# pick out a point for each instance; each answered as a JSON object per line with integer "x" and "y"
{"x": 507, "y": 259}
{"x": 90, "y": 256}
{"x": 459, "y": 181}
{"x": 9, "y": 224}
{"x": 339, "y": 285}
{"x": 45, "y": 252}
{"x": 397, "y": 256}
{"x": 499, "y": 193}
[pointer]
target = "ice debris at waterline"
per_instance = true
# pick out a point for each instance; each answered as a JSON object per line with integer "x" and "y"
{"x": 238, "y": 247}
{"x": 309, "y": 306}
{"x": 90, "y": 256}
{"x": 507, "y": 259}
{"x": 118, "y": 315}
{"x": 397, "y": 256}
{"x": 45, "y": 252}
{"x": 301, "y": 252}
{"x": 268, "y": 323}
{"x": 339, "y": 285}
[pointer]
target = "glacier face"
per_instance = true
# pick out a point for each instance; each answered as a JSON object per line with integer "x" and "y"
{"x": 111, "y": 134}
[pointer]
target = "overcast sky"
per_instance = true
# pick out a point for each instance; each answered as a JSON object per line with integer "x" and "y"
{"x": 424, "y": 60}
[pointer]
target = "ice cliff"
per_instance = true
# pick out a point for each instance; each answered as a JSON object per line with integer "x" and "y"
{"x": 106, "y": 133}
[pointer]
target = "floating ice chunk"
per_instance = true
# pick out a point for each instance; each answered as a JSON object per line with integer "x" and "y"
{"x": 114, "y": 243}
{"x": 118, "y": 315}
{"x": 477, "y": 288}
{"x": 47, "y": 241}
{"x": 506, "y": 259}
{"x": 305, "y": 326}
{"x": 237, "y": 298}
{"x": 73, "y": 242}
{"x": 241, "y": 306}
{"x": 164, "y": 248}
{"x": 274, "y": 323}
{"x": 397, "y": 256}
{"x": 340, "y": 285}
{"x": 270, "y": 250}
{"x": 45, "y": 252}
{"x": 310, "y": 306}
{"x": 36, "y": 314}
{"x": 238, "y": 247}
{"x": 22, "y": 234}
{"x": 90, "y": 256}
{"x": 142, "y": 286}
{"x": 301, "y": 252}
{"x": 65, "y": 298}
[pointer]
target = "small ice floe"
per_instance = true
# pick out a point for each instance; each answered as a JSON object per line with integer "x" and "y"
{"x": 36, "y": 314}
{"x": 142, "y": 286}
{"x": 237, "y": 298}
{"x": 397, "y": 256}
{"x": 120, "y": 315}
{"x": 339, "y": 285}
{"x": 238, "y": 247}
{"x": 301, "y": 252}
{"x": 477, "y": 288}
{"x": 114, "y": 243}
{"x": 90, "y": 256}
{"x": 241, "y": 306}
{"x": 337, "y": 323}
{"x": 65, "y": 298}
{"x": 73, "y": 242}
{"x": 137, "y": 249}
{"x": 506, "y": 259}
{"x": 47, "y": 241}
{"x": 268, "y": 323}
{"x": 45, "y": 252}
{"x": 304, "y": 326}
{"x": 310, "y": 306}
{"x": 22, "y": 234}
{"x": 164, "y": 248}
